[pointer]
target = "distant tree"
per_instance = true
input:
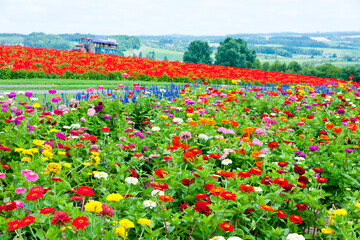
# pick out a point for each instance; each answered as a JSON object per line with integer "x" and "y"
{"x": 42, "y": 40}
{"x": 256, "y": 64}
{"x": 294, "y": 67}
{"x": 140, "y": 54}
{"x": 276, "y": 67}
{"x": 165, "y": 58}
{"x": 235, "y": 53}
{"x": 265, "y": 66}
{"x": 198, "y": 52}
{"x": 150, "y": 55}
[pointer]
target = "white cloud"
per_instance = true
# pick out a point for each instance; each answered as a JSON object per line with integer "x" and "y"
{"x": 196, "y": 17}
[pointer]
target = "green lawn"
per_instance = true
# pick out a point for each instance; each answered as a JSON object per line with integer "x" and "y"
{"x": 159, "y": 53}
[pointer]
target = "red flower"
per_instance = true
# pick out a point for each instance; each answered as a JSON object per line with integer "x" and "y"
{"x": 47, "y": 210}
{"x": 303, "y": 179}
{"x": 226, "y": 174}
{"x": 299, "y": 170}
{"x": 184, "y": 206}
{"x": 282, "y": 164}
{"x": 9, "y": 206}
{"x": 84, "y": 191}
{"x": 201, "y": 206}
{"x": 321, "y": 180}
{"x": 34, "y": 196}
{"x": 56, "y": 179}
{"x": 318, "y": 170}
{"x": 60, "y": 218}
{"x": 281, "y": 182}
{"x": 187, "y": 182}
{"x": 201, "y": 196}
{"x": 226, "y": 227}
{"x": 255, "y": 171}
{"x": 133, "y": 173}
{"x": 13, "y": 225}
{"x": 27, "y": 221}
{"x": 228, "y": 196}
{"x": 105, "y": 129}
{"x": 248, "y": 211}
{"x": 247, "y": 188}
{"x": 280, "y": 214}
{"x": 266, "y": 180}
{"x": 215, "y": 155}
{"x": 209, "y": 186}
{"x": 295, "y": 219}
{"x": 160, "y": 173}
{"x": 244, "y": 174}
{"x": 166, "y": 198}
{"x": 76, "y": 198}
{"x": 80, "y": 222}
{"x": 301, "y": 206}
{"x": 137, "y": 155}
{"x": 273, "y": 145}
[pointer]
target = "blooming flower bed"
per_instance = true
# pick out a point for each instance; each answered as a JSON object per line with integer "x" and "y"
{"x": 191, "y": 162}
{"x": 25, "y": 62}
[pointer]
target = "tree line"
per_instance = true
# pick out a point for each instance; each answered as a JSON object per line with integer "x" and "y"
{"x": 235, "y": 53}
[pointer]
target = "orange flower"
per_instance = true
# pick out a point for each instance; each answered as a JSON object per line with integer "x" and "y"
{"x": 256, "y": 154}
{"x": 338, "y": 129}
{"x": 204, "y": 121}
{"x": 259, "y": 163}
{"x": 249, "y": 129}
{"x": 247, "y": 140}
{"x": 211, "y": 122}
{"x": 353, "y": 127}
{"x": 329, "y": 125}
{"x": 216, "y": 191}
{"x": 225, "y": 121}
{"x": 266, "y": 207}
{"x": 242, "y": 151}
{"x": 302, "y": 119}
{"x": 166, "y": 198}
{"x": 193, "y": 123}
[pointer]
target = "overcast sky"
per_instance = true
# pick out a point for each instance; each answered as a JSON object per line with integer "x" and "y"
{"x": 190, "y": 17}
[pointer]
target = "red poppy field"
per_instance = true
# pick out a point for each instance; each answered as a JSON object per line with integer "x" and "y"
{"x": 208, "y": 161}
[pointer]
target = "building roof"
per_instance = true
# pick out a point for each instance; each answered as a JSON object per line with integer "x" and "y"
{"x": 97, "y": 40}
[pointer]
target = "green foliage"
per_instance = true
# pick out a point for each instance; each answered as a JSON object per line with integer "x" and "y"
{"x": 42, "y": 40}
{"x": 235, "y": 53}
{"x": 198, "y": 52}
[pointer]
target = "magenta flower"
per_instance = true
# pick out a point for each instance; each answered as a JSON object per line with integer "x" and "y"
{"x": 19, "y": 204}
{"x": 52, "y": 91}
{"x": 349, "y": 150}
{"x": 2, "y": 175}
{"x": 107, "y": 116}
{"x": 313, "y": 148}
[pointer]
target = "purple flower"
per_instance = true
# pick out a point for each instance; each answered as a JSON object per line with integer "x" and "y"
{"x": 61, "y": 135}
{"x": 313, "y": 148}
{"x": 107, "y": 116}
{"x": 145, "y": 148}
{"x": 99, "y": 108}
{"x": 140, "y": 134}
{"x": 4, "y": 109}
{"x": 55, "y": 100}
{"x": 29, "y": 94}
{"x": 349, "y": 150}
{"x": 340, "y": 111}
{"x": 52, "y": 91}
{"x": 303, "y": 155}
{"x": 12, "y": 95}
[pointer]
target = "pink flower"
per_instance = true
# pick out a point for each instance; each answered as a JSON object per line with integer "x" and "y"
{"x": 89, "y": 90}
{"x": 19, "y": 204}
{"x": 20, "y": 190}
{"x": 31, "y": 177}
{"x": 125, "y": 75}
{"x": 2, "y": 175}
{"x": 25, "y": 171}
{"x": 100, "y": 87}
{"x": 83, "y": 119}
{"x": 91, "y": 112}
{"x": 185, "y": 136}
{"x": 121, "y": 86}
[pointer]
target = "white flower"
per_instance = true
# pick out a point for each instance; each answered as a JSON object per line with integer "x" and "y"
{"x": 203, "y": 137}
{"x": 299, "y": 158}
{"x": 21, "y": 92}
{"x": 101, "y": 175}
{"x": 149, "y": 203}
{"x": 34, "y": 99}
{"x": 131, "y": 180}
{"x": 217, "y": 238}
{"x": 295, "y": 236}
{"x": 273, "y": 114}
{"x": 178, "y": 120}
{"x": 262, "y": 155}
{"x": 155, "y": 129}
{"x": 167, "y": 224}
{"x": 75, "y": 126}
{"x": 157, "y": 192}
{"x": 228, "y": 150}
{"x": 258, "y": 189}
{"x": 162, "y": 90}
{"x": 66, "y": 127}
{"x": 6, "y": 93}
{"x": 226, "y": 162}
{"x": 1, "y": 96}
{"x": 234, "y": 238}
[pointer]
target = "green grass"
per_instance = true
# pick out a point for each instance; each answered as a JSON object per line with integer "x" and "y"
{"x": 159, "y": 53}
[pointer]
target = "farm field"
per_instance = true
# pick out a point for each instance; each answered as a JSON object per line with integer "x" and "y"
{"x": 226, "y": 153}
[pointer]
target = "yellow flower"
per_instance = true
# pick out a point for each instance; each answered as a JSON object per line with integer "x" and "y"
{"x": 68, "y": 165}
{"x": 120, "y": 231}
{"x": 189, "y": 114}
{"x": 95, "y": 153}
{"x": 62, "y": 153}
{"x": 114, "y": 197}
{"x": 340, "y": 212}
{"x": 144, "y": 221}
{"x": 126, "y": 223}
{"x": 357, "y": 205}
{"x": 44, "y": 158}
{"x": 233, "y": 81}
{"x": 26, "y": 159}
{"x": 54, "y": 168}
{"x": 94, "y": 206}
{"x": 48, "y": 153}
{"x": 19, "y": 149}
{"x": 164, "y": 116}
{"x": 36, "y": 105}
{"x": 47, "y": 147}
{"x": 328, "y": 231}
{"x": 54, "y": 130}
{"x": 38, "y": 142}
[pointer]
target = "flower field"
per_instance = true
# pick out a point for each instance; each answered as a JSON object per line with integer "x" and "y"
{"x": 181, "y": 162}
{"x": 25, "y": 62}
